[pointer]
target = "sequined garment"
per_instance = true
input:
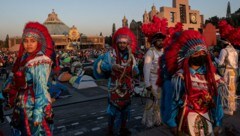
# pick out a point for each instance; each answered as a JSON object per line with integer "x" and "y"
{"x": 119, "y": 96}
{"x": 198, "y": 112}
{"x": 33, "y": 103}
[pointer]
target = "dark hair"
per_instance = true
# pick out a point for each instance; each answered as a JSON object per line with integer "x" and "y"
{"x": 157, "y": 36}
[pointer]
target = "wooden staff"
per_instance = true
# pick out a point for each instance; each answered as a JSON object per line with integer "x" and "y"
{"x": 184, "y": 110}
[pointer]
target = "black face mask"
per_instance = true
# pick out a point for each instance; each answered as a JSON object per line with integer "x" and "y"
{"x": 198, "y": 61}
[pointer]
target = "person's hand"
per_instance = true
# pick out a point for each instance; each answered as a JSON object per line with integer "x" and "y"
{"x": 36, "y": 123}
{"x": 135, "y": 73}
{"x": 212, "y": 55}
{"x": 174, "y": 131}
{"x": 7, "y": 88}
{"x": 117, "y": 67}
{"x": 149, "y": 88}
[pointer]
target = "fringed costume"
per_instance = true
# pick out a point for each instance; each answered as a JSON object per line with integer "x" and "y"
{"x": 228, "y": 60}
{"x": 26, "y": 89}
{"x": 120, "y": 83}
{"x": 154, "y": 31}
{"x": 194, "y": 98}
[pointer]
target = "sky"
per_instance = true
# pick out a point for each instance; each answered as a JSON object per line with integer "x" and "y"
{"x": 91, "y": 17}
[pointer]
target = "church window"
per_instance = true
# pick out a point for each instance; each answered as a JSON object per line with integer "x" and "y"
{"x": 182, "y": 9}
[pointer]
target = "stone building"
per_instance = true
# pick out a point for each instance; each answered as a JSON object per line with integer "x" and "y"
{"x": 64, "y": 37}
{"x": 135, "y": 27}
{"x": 124, "y": 22}
{"x": 179, "y": 12}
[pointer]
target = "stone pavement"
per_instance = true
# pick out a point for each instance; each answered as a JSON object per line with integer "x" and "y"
{"x": 231, "y": 124}
{"x": 81, "y": 95}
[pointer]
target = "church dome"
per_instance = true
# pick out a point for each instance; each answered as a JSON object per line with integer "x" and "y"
{"x": 55, "y": 26}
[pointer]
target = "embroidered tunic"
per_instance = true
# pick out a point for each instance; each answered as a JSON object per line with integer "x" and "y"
{"x": 119, "y": 96}
{"x": 198, "y": 107}
{"x": 33, "y": 104}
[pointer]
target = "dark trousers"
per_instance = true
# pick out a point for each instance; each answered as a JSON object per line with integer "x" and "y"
{"x": 1, "y": 113}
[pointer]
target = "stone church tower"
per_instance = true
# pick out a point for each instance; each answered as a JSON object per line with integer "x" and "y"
{"x": 124, "y": 22}
{"x": 228, "y": 15}
{"x": 145, "y": 17}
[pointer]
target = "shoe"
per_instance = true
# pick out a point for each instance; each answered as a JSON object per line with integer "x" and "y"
{"x": 110, "y": 133}
{"x": 2, "y": 120}
{"x": 125, "y": 132}
{"x": 158, "y": 125}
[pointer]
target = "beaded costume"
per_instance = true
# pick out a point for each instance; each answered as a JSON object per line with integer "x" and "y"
{"x": 26, "y": 89}
{"x": 193, "y": 98}
{"x": 120, "y": 82}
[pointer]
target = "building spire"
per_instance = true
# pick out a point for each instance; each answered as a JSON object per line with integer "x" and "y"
{"x": 228, "y": 15}
{"x": 124, "y": 22}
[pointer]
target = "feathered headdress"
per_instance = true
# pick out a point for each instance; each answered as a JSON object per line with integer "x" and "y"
{"x": 229, "y": 33}
{"x": 156, "y": 29}
{"x": 184, "y": 45}
{"x": 45, "y": 43}
{"x": 126, "y": 33}
{"x": 177, "y": 54}
{"x": 172, "y": 33}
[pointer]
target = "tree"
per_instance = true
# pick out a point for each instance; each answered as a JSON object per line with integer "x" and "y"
{"x": 236, "y": 18}
{"x": 113, "y": 28}
{"x": 6, "y": 42}
{"x": 1, "y": 44}
{"x": 108, "y": 40}
{"x": 214, "y": 20}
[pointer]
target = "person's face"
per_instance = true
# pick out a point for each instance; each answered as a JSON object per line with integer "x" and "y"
{"x": 158, "y": 43}
{"x": 122, "y": 45}
{"x": 199, "y": 53}
{"x": 198, "y": 59}
{"x": 30, "y": 44}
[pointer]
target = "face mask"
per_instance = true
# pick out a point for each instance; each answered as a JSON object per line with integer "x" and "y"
{"x": 198, "y": 61}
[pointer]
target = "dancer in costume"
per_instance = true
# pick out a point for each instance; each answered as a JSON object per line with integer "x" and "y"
{"x": 119, "y": 65}
{"x": 195, "y": 89}
{"x": 228, "y": 59}
{"x": 26, "y": 89}
{"x": 156, "y": 33}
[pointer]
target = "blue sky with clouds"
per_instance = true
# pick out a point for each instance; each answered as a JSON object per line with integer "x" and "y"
{"x": 92, "y": 16}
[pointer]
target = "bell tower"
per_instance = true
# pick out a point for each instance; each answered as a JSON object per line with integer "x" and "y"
{"x": 228, "y": 15}
{"x": 124, "y": 22}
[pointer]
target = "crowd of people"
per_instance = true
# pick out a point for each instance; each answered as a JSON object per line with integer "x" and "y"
{"x": 189, "y": 88}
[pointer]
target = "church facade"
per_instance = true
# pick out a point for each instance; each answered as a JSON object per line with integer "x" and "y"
{"x": 64, "y": 37}
{"x": 179, "y": 12}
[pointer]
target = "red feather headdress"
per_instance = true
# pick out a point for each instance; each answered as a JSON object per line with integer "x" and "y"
{"x": 171, "y": 31}
{"x": 45, "y": 43}
{"x": 229, "y": 33}
{"x": 127, "y": 33}
{"x": 177, "y": 54}
{"x": 157, "y": 26}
